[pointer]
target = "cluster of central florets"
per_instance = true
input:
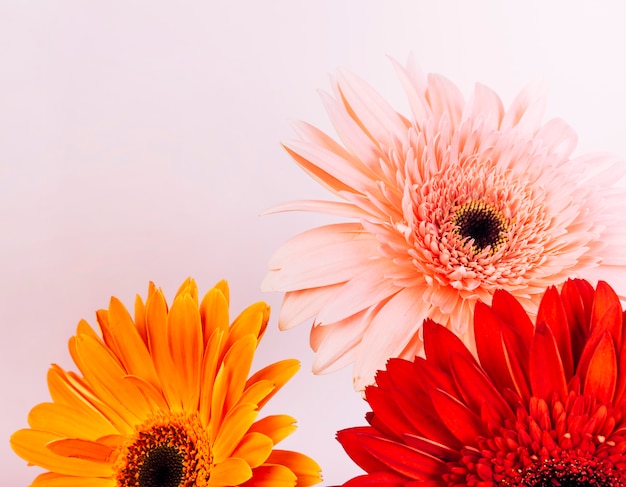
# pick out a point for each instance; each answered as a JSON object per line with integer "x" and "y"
{"x": 571, "y": 443}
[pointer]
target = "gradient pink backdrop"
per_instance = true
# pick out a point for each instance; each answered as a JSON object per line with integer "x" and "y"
{"x": 140, "y": 141}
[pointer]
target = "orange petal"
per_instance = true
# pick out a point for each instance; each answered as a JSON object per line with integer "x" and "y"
{"x": 306, "y": 469}
{"x": 50, "y": 479}
{"x": 156, "y": 312}
{"x": 31, "y": 446}
{"x": 236, "y": 424}
{"x": 272, "y": 476}
{"x": 237, "y": 363}
{"x": 188, "y": 287}
{"x": 213, "y": 313}
{"x": 257, "y": 392}
{"x": 79, "y": 448}
{"x": 152, "y": 395}
{"x": 67, "y": 389}
{"x": 140, "y": 318}
{"x": 254, "y": 448}
{"x": 278, "y": 373}
{"x": 223, "y": 287}
{"x": 208, "y": 373}
{"x": 232, "y": 471}
{"x": 277, "y": 427}
{"x": 85, "y": 328}
{"x": 252, "y": 320}
{"x": 130, "y": 348}
{"x": 70, "y": 422}
{"x": 185, "y": 342}
{"x": 105, "y": 375}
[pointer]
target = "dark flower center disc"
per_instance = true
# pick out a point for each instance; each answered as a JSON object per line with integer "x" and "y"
{"x": 482, "y": 224}
{"x": 574, "y": 472}
{"x": 162, "y": 467}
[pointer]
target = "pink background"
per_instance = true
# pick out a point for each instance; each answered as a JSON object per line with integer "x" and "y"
{"x": 140, "y": 141}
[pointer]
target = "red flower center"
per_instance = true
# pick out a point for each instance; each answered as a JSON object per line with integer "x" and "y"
{"x": 573, "y": 469}
{"x": 572, "y": 443}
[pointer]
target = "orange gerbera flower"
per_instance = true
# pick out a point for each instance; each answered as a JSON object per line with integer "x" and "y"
{"x": 165, "y": 400}
{"x": 544, "y": 407}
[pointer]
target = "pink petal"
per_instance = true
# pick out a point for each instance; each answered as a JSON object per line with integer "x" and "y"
{"x": 445, "y": 98}
{"x": 366, "y": 289}
{"x": 414, "y": 90}
{"x": 486, "y": 104}
{"x": 370, "y": 110}
{"x": 339, "y": 341}
{"x": 527, "y": 109}
{"x": 391, "y": 329}
{"x": 325, "y": 165}
{"x": 358, "y": 143}
{"x": 559, "y": 137}
{"x": 320, "y": 257}
{"x": 300, "y": 306}
{"x": 338, "y": 208}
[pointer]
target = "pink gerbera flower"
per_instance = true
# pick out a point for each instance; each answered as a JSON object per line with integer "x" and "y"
{"x": 447, "y": 205}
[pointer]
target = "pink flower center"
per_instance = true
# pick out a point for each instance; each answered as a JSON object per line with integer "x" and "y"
{"x": 482, "y": 224}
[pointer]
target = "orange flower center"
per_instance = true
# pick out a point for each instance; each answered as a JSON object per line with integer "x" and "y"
{"x": 481, "y": 223}
{"x": 168, "y": 450}
{"x": 162, "y": 465}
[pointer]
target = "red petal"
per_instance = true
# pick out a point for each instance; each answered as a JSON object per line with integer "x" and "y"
{"x": 577, "y": 297}
{"x": 418, "y": 408}
{"x": 433, "y": 377}
{"x": 401, "y": 374}
{"x": 409, "y": 384}
{"x": 351, "y": 441}
{"x": 438, "y": 338}
{"x": 506, "y": 372}
{"x": 552, "y": 312}
{"x": 387, "y": 411}
{"x": 546, "y": 368}
{"x": 432, "y": 448}
{"x": 606, "y": 313}
{"x": 388, "y": 479}
{"x": 510, "y": 311}
{"x": 463, "y": 423}
{"x": 476, "y": 388}
{"x": 601, "y": 374}
{"x": 517, "y": 354}
{"x": 606, "y": 317}
{"x": 620, "y": 386}
{"x": 403, "y": 459}
{"x": 489, "y": 345}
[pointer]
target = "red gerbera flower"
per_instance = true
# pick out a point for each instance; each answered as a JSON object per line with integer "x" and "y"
{"x": 543, "y": 406}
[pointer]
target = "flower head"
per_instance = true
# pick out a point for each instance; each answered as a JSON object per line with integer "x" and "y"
{"x": 544, "y": 406}
{"x": 165, "y": 400}
{"x": 449, "y": 203}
